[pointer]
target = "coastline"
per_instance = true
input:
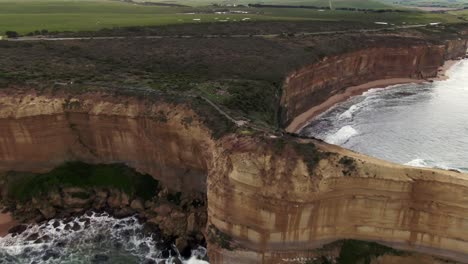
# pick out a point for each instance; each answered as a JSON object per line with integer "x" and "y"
{"x": 303, "y": 119}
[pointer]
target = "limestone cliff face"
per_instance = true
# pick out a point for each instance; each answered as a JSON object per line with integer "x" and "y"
{"x": 276, "y": 209}
{"x": 312, "y": 85}
{"x": 39, "y": 132}
{"x": 272, "y": 199}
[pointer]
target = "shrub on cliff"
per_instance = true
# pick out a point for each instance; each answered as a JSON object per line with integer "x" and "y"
{"x": 310, "y": 153}
{"x": 355, "y": 251}
{"x": 11, "y": 34}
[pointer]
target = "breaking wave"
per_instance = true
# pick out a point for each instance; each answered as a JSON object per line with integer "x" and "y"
{"x": 91, "y": 238}
{"x": 341, "y": 136}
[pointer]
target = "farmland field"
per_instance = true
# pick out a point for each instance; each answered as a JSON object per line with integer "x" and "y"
{"x": 27, "y": 16}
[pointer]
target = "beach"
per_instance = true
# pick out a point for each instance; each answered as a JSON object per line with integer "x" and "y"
{"x": 301, "y": 120}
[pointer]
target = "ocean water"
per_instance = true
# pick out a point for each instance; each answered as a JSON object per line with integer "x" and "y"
{"x": 94, "y": 238}
{"x": 424, "y": 125}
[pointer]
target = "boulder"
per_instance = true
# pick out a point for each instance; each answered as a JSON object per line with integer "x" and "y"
{"x": 181, "y": 243}
{"x": 149, "y": 204}
{"x": 124, "y": 199}
{"x": 48, "y": 212}
{"x": 113, "y": 201}
{"x": 163, "y": 209}
{"x": 17, "y": 230}
{"x": 123, "y": 212}
{"x": 137, "y": 205}
{"x": 191, "y": 223}
{"x": 55, "y": 199}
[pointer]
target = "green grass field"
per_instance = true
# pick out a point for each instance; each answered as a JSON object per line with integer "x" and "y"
{"x": 336, "y": 3}
{"x": 26, "y": 16}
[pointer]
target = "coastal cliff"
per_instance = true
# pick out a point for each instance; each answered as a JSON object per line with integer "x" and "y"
{"x": 270, "y": 200}
{"x": 313, "y": 85}
{"x": 269, "y": 197}
{"x": 276, "y": 207}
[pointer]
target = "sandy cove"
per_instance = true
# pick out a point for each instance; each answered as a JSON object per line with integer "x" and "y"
{"x": 303, "y": 119}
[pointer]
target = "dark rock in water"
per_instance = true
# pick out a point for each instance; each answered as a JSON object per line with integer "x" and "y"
{"x": 68, "y": 227}
{"x": 151, "y": 229}
{"x": 50, "y": 254}
{"x": 165, "y": 254}
{"x": 87, "y": 223}
{"x": 46, "y": 238}
{"x": 56, "y": 223}
{"x": 76, "y": 227}
{"x": 33, "y": 237}
{"x": 68, "y": 220}
{"x": 16, "y": 230}
{"x": 60, "y": 244}
{"x": 117, "y": 226}
{"x": 143, "y": 248}
{"x": 99, "y": 258}
{"x": 149, "y": 261}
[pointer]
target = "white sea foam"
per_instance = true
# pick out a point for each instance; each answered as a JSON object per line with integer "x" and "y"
{"x": 194, "y": 260}
{"x": 342, "y": 135}
{"x": 83, "y": 239}
{"x": 417, "y": 163}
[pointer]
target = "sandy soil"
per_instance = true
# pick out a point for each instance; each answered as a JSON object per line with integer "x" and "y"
{"x": 6, "y": 222}
{"x": 301, "y": 120}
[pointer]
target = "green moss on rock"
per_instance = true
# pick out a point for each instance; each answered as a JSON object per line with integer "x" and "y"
{"x": 24, "y": 186}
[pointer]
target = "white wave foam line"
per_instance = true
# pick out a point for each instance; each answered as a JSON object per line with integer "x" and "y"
{"x": 194, "y": 260}
{"x": 417, "y": 163}
{"x": 342, "y": 135}
{"x": 422, "y": 163}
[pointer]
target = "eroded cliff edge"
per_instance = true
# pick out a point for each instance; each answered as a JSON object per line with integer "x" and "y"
{"x": 271, "y": 198}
